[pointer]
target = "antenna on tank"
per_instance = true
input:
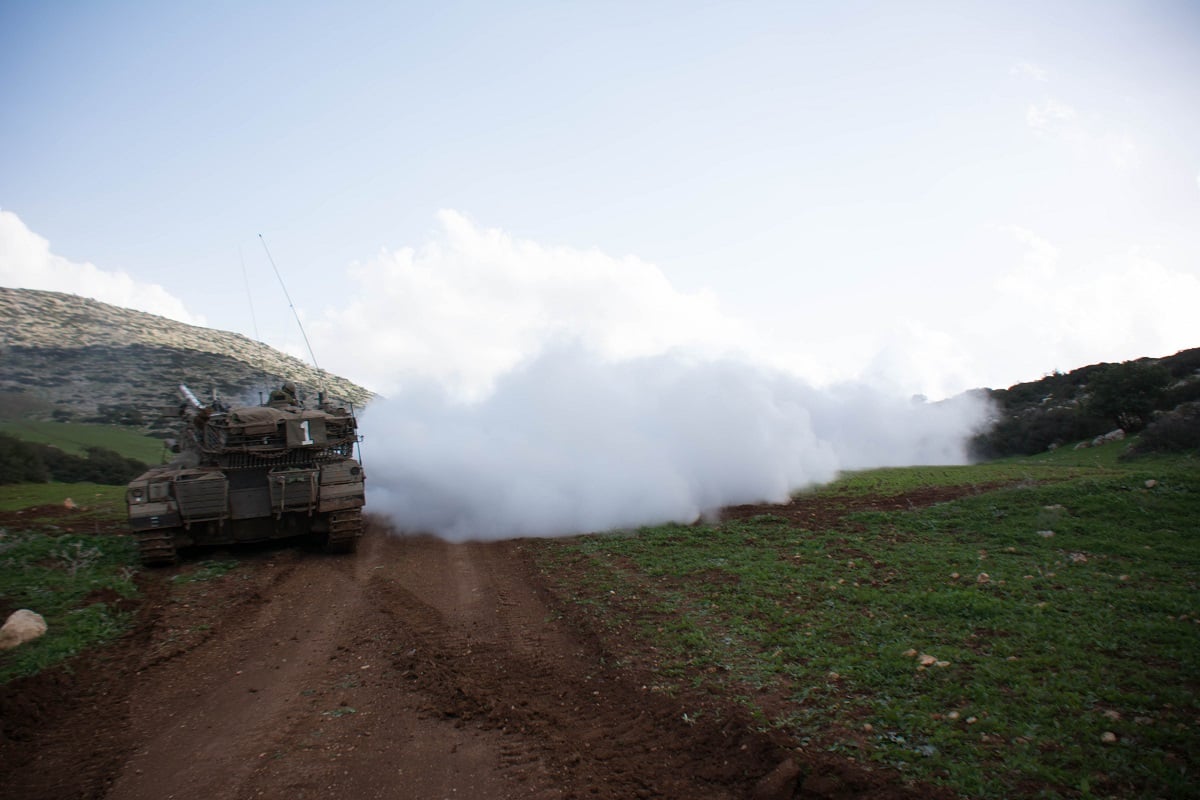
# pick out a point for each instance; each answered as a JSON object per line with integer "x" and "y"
{"x": 259, "y": 349}
{"x": 291, "y": 305}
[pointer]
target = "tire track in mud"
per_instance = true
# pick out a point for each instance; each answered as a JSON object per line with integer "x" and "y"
{"x": 501, "y": 661}
{"x": 203, "y": 716}
{"x": 371, "y": 732}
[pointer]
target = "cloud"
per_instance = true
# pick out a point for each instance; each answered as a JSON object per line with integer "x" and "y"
{"x": 470, "y": 305}
{"x": 1027, "y": 69}
{"x": 1074, "y": 310}
{"x": 572, "y": 441}
{"x": 27, "y": 263}
{"x": 1057, "y": 121}
{"x": 1049, "y": 116}
{"x": 1037, "y": 268}
{"x": 1048, "y": 305}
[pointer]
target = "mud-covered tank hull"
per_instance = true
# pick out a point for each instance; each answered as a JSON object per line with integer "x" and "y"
{"x": 250, "y": 475}
{"x": 174, "y": 508}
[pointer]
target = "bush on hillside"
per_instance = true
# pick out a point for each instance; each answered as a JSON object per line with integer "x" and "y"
{"x": 30, "y": 462}
{"x": 1126, "y": 393}
{"x": 1061, "y": 408}
{"x": 1036, "y": 430}
{"x": 1185, "y": 391}
{"x": 1171, "y": 431}
{"x": 118, "y": 414}
{"x": 21, "y": 462}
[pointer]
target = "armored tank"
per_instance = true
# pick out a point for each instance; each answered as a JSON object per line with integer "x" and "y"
{"x": 249, "y": 474}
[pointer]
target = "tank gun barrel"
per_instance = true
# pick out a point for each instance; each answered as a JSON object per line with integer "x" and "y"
{"x": 191, "y": 398}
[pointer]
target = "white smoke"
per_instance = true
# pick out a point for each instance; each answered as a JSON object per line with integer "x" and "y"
{"x": 474, "y": 302}
{"x": 540, "y": 391}
{"x": 570, "y": 442}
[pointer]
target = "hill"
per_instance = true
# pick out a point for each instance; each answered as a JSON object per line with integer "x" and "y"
{"x": 70, "y": 358}
{"x": 1160, "y": 396}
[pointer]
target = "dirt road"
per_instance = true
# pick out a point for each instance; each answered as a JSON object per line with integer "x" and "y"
{"x": 414, "y": 669}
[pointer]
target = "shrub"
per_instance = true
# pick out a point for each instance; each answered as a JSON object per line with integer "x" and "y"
{"x": 1172, "y": 431}
{"x": 1034, "y": 430}
{"x": 30, "y": 462}
{"x": 1185, "y": 391}
{"x": 21, "y": 462}
{"x": 1127, "y": 393}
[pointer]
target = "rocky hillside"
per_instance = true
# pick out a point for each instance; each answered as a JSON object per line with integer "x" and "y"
{"x": 1158, "y": 397}
{"x": 71, "y": 358}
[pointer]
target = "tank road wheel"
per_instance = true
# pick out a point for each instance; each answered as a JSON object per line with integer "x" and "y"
{"x": 157, "y": 547}
{"x": 344, "y": 529}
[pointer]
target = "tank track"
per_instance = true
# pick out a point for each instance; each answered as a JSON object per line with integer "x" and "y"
{"x": 344, "y": 529}
{"x": 157, "y": 548}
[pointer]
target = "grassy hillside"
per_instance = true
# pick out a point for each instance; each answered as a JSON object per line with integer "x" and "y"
{"x": 75, "y": 437}
{"x": 1035, "y": 634}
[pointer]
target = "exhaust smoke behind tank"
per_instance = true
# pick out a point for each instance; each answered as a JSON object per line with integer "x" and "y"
{"x": 570, "y": 442}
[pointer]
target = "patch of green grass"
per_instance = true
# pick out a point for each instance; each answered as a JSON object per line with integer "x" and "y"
{"x": 1064, "y": 463}
{"x": 76, "y": 437}
{"x": 206, "y": 571}
{"x": 97, "y": 499}
{"x": 70, "y": 580}
{"x": 1061, "y": 606}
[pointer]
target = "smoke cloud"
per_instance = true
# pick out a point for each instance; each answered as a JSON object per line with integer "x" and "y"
{"x": 474, "y": 303}
{"x": 571, "y": 442}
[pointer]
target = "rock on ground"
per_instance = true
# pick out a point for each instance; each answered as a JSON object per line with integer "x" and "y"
{"x": 21, "y": 626}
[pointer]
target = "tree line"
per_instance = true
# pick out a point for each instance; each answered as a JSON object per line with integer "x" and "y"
{"x": 31, "y": 462}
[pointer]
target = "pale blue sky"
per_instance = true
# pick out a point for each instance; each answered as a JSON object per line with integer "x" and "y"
{"x": 939, "y": 195}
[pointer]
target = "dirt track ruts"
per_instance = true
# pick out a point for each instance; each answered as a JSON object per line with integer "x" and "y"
{"x": 413, "y": 669}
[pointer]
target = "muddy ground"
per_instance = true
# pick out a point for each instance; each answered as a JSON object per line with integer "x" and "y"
{"x": 411, "y": 669}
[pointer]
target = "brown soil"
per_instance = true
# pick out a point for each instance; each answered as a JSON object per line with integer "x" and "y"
{"x": 827, "y": 509}
{"x": 60, "y": 518}
{"x": 413, "y": 669}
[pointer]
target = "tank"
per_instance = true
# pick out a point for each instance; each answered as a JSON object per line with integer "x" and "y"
{"x": 251, "y": 474}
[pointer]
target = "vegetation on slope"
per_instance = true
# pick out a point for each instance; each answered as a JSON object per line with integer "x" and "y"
{"x": 1090, "y": 401}
{"x": 30, "y": 462}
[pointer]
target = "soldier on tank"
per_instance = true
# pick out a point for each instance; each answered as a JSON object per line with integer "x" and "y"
{"x": 285, "y": 396}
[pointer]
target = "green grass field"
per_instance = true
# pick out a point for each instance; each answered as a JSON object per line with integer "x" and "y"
{"x": 1037, "y": 636}
{"x": 74, "y": 437}
{"x": 94, "y": 499}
